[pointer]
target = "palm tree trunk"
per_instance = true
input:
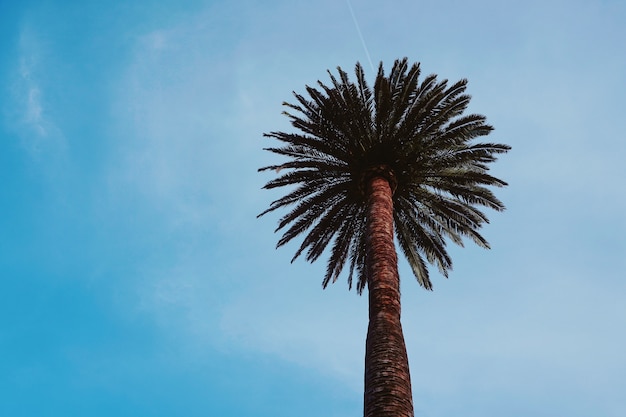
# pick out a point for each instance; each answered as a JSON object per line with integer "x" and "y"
{"x": 387, "y": 379}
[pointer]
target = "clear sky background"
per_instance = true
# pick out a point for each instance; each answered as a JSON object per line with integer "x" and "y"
{"x": 136, "y": 280}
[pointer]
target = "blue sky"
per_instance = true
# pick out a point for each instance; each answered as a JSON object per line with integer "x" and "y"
{"x": 136, "y": 280}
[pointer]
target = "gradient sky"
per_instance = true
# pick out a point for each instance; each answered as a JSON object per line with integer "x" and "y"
{"x": 136, "y": 280}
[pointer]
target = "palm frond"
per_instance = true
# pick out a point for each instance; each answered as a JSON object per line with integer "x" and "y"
{"x": 415, "y": 129}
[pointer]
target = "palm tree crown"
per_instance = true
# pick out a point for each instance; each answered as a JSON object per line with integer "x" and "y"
{"x": 412, "y": 133}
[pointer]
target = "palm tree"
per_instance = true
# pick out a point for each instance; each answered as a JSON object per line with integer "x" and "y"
{"x": 366, "y": 163}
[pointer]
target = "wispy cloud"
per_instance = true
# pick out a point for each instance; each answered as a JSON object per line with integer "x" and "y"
{"x": 30, "y": 116}
{"x": 176, "y": 138}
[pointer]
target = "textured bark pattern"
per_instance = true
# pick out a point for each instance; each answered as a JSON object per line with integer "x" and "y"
{"x": 387, "y": 379}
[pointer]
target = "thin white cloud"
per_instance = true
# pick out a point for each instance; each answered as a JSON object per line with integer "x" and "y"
{"x": 180, "y": 151}
{"x": 33, "y": 115}
{"x": 30, "y": 116}
{"x": 172, "y": 113}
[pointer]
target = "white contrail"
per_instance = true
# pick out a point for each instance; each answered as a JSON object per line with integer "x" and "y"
{"x": 358, "y": 29}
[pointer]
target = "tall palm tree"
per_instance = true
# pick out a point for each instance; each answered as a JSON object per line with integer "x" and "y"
{"x": 368, "y": 162}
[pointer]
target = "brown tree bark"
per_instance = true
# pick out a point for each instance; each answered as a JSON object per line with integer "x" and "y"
{"x": 387, "y": 378}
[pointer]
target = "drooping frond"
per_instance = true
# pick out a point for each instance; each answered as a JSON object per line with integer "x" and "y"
{"x": 418, "y": 132}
